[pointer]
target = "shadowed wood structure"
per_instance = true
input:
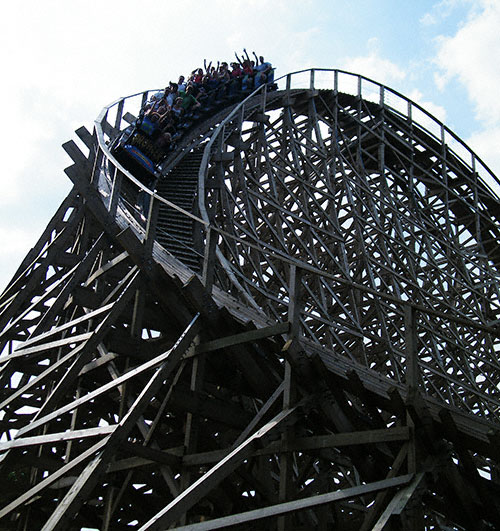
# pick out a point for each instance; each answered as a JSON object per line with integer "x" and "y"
{"x": 303, "y": 334}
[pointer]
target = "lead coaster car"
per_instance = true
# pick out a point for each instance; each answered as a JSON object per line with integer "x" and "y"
{"x": 135, "y": 151}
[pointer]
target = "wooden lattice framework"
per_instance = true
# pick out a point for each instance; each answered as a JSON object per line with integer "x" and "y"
{"x": 302, "y": 334}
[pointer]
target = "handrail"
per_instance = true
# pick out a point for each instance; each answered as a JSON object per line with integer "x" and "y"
{"x": 361, "y": 87}
{"x": 203, "y": 219}
{"x": 105, "y": 149}
{"x": 383, "y": 90}
{"x": 382, "y": 94}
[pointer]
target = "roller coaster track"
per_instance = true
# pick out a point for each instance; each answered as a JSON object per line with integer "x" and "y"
{"x": 301, "y": 332}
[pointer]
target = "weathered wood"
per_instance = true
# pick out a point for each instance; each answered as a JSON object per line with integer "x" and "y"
{"x": 244, "y": 337}
{"x": 390, "y": 329}
{"x": 298, "y": 505}
{"x": 398, "y": 502}
{"x": 53, "y": 477}
{"x": 87, "y": 479}
{"x": 196, "y": 491}
{"x": 56, "y": 437}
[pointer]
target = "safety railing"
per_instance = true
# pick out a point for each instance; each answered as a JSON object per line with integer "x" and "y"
{"x": 122, "y": 111}
{"x": 120, "y": 190}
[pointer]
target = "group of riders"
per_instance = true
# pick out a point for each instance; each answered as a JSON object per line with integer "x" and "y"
{"x": 170, "y": 112}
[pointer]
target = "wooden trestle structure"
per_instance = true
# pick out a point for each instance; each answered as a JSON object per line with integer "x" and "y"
{"x": 304, "y": 334}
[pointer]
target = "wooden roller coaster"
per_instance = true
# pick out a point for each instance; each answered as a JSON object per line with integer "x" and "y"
{"x": 302, "y": 334}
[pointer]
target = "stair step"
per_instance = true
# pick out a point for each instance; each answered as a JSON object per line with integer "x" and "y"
{"x": 175, "y": 230}
{"x": 176, "y": 221}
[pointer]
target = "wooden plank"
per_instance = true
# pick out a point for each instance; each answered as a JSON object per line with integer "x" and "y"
{"x": 205, "y": 406}
{"x": 85, "y": 136}
{"x": 381, "y": 496}
{"x": 172, "y": 456}
{"x": 77, "y": 156}
{"x": 244, "y": 337}
{"x": 174, "y": 510}
{"x": 87, "y": 480}
{"x": 41, "y": 348}
{"x": 270, "y": 402}
{"x": 56, "y": 437}
{"x": 398, "y": 502}
{"x": 24, "y": 498}
{"x": 157, "y": 456}
{"x": 296, "y": 505}
{"x": 106, "y": 267}
{"x": 339, "y": 440}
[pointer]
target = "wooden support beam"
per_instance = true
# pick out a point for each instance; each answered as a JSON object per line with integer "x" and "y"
{"x": 49, "y": 480}
{"x": 51, "y": 438}
{"x": 259, "y": 417}
{"x": 244, "y": 337}
{"x": 90, "y": 475}
{"x": 297, "y": 505}
{"x": 287, "y": 438}
{"x": 223, "y": 156}
{"x": 310, "y": 444}
{"x": 174, "y": 510}
{"x": 398, "y": 502}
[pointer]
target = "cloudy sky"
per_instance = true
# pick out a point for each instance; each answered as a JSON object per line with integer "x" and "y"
{"x": 63, "y": 61}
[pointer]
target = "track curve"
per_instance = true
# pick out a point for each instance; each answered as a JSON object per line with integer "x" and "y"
{"x": 301, "y": 331}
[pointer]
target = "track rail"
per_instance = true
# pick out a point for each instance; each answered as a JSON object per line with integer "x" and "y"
{"x": 463, "y": 178}
{"x": 302, "y": 332}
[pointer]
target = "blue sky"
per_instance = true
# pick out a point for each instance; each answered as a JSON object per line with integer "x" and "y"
{"x": 65, "y": 60}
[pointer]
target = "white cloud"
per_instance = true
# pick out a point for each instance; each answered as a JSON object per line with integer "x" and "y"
{"x": 438, "y": 111}
{"x": 472, "y": 55}
{"x": 442, "y": 10}
{"x": 486, "y": 144}
{"x": 376, "y": 67}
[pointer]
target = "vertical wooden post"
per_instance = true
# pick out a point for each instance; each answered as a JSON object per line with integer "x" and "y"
{"x": 209, "y": 259}
{"x": 192, "y": 428}
{"x": 411, "y": 349}
{"x": 411, "y": 339}
{"x": 154, "y": 207}
{"x": 108, "y": 507}
{"x": 115, "y": 190}
{"x": 294, "y": 300}
{"x": 286, "y": 459}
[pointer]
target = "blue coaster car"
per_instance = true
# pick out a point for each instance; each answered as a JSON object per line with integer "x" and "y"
{"x": 134, "y": 149}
